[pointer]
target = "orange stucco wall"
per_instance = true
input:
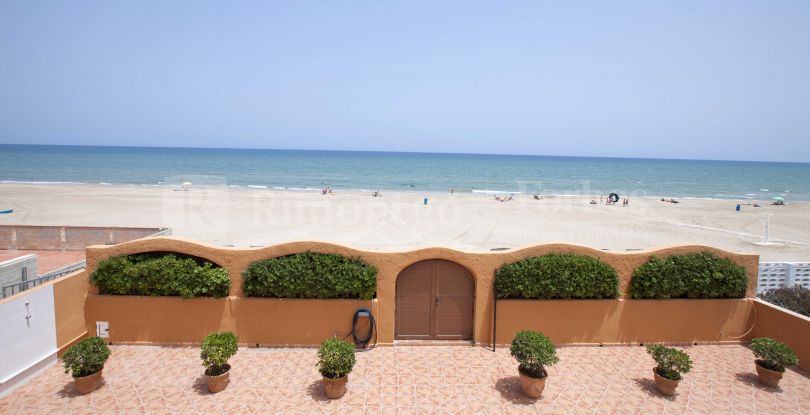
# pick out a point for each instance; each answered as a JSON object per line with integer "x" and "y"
{"x": 626, "y": 321}
{"x": 785, "y": 326}
{"x": 69, "y": 294}
{"x": 481, "y": 265}
{"x": 256, "y": 321}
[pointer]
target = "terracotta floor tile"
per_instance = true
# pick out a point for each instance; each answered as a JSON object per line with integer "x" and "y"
{"x": 416, "y": 379}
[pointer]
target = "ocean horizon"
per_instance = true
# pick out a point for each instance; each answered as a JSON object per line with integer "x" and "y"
{"x": 311, "y": 170}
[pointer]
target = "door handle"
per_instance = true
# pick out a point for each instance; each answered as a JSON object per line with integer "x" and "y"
{"x": 437, "y": 300}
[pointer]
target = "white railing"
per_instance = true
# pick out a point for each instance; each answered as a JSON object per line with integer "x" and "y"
{"x": 783, "y": 274}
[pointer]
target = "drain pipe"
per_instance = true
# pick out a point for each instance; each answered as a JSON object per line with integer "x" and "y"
{"x": 494, "y": 311}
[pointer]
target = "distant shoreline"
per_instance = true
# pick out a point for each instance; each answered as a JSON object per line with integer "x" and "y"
{"x": 425, "y": 173}
{"x": 488, "y": 194}
{"x": 448, "y": 153}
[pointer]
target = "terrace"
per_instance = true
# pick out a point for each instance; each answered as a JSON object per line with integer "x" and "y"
{"x": 415, "y": 380}
{"x": 155, "y": 366}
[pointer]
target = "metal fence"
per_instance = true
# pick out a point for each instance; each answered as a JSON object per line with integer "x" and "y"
{"x": 783, "y": 274}
{"x": 17, "y": 287}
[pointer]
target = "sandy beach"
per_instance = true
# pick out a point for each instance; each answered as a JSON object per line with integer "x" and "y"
{"x": 256, "y": 217}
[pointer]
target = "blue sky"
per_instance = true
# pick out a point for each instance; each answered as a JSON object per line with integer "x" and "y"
{"x": 679, "y": 79}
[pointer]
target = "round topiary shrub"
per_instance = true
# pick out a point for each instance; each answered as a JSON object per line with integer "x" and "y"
{"x": 160, "y": 274}
{"x": 311, "y": 275}
{"x": 215, "y": 351}
{"x": 557, "y": 276}
{"x": 695, "y": 275}
{"x": 773, "y": 355}
{"x": 86, "y": 357}
{"x": 533, "y": 351}
{"x": 670, "y": 363}
{"x": 335, "y": 358}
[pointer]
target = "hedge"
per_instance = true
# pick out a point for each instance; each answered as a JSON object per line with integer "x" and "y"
{"x": 311, "y": 275}
{"x": 695, "y": 275}
{"x": 557, "y": 276}
{"x": 796, "y": 298}
{"x": 163, "y": 274}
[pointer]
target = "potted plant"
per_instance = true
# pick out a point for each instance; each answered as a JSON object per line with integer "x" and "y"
{"x": 774, "y": 357}
{"x": 533, "y": 351}
{"x": 671, "y": 364}
{"x": 217, "y": 348}
{"x": 335, "y": 362}
{"x": 85, "y": 361}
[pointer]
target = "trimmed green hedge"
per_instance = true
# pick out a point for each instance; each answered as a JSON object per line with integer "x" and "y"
{"x": 163, "y": 274}
{"x": 557, "y": 276}
{"x": 696, "y": 275}
{"x": 311, "y": 275}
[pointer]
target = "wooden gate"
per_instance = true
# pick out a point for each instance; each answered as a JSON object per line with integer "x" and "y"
{"x": 435, "y": 300}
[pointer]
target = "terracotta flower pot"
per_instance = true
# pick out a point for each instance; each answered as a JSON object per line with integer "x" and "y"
{"x": 89, "y": 383}
{"x": 335, "y": 388}
{"x": 665, "y": 386}
{"x": 220, "y": 382}
{"x": 532, "y": 387}
{"x": 767, "y": 376}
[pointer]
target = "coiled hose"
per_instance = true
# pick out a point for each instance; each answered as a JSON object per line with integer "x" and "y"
{"x": 362, "y": 343}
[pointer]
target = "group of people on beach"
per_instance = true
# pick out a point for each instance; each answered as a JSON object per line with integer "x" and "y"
{"x": 326, "y": 190}
{"x": 503, "y": 199}
{"x": 613, "y": 199}
{"x": 625, "y": 202}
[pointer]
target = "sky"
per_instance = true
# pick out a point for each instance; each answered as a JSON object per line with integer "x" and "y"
{"x": 680, "y": 79}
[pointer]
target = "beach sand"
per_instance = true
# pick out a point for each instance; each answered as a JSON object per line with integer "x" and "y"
{"x": 399, "y": 221}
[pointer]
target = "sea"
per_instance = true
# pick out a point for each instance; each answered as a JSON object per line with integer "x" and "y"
{"x": 310, "y": 170}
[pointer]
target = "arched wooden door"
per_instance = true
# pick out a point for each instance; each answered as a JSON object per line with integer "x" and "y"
{"x": 435, "y": 300}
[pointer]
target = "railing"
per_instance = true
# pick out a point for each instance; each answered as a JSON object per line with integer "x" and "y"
{"x": 783, "y": 274}
{"x": 21, "y": 286}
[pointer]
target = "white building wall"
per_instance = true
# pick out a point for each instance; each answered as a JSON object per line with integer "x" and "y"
{"x": 783, "y": 274}
{"x": 27, "y": 337}
{"x": 11, "y": 270}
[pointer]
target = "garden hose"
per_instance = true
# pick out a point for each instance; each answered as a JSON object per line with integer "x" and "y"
{"x": 362, "y": 343}
{"x": 753, "y": 323}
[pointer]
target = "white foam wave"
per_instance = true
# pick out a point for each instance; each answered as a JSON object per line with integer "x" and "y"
{"x": 257, "y": 186}
{"x": 36, "y": 182}
{"x": 496, "y": 192}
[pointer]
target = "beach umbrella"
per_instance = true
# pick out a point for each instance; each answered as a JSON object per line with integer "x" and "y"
{"x": 778, "y": 198}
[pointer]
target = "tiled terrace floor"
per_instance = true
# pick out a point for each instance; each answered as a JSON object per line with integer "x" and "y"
{"x": 47, "y": 261}
{"x": 429, "y": 379}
